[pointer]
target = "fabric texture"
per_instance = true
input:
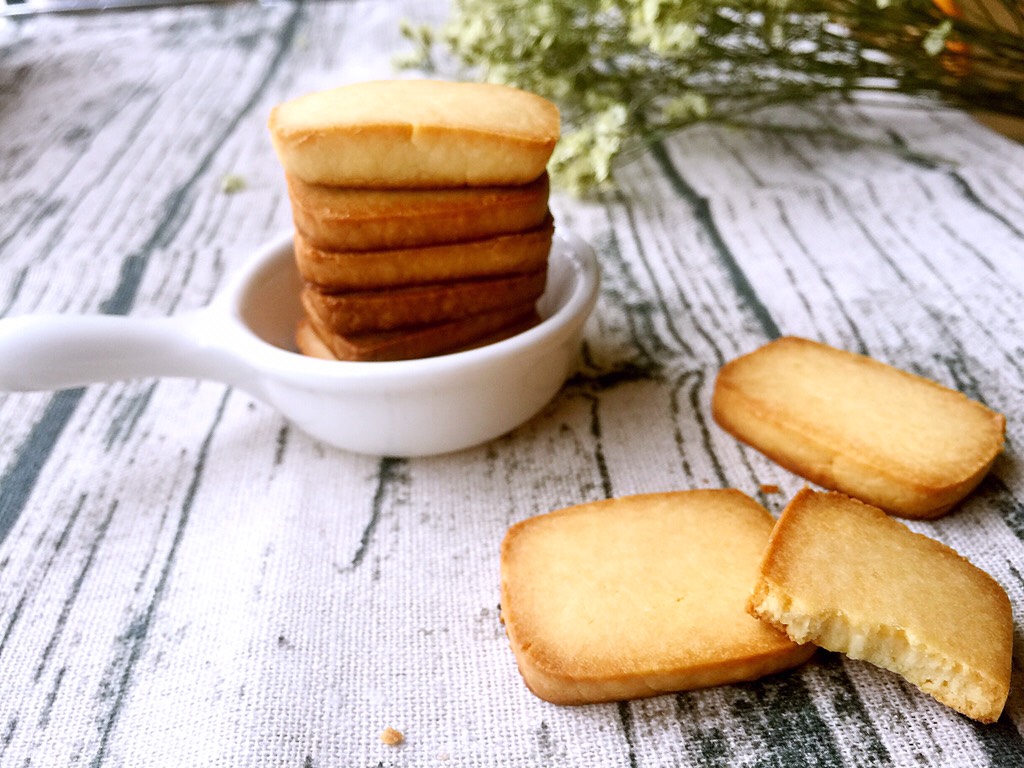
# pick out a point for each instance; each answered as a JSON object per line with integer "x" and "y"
{"x": 185, "y": 579}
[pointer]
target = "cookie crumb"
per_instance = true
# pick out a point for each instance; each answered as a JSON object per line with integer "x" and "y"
{"x": 391, "y": 737}
{"x": 770, "y": 488}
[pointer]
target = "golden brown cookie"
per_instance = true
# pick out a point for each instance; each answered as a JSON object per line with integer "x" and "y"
{"x": 415, "y": 133}
{"x": 345, "y": 219}
{"x": 843, "y": 575}
{"x": 500, "y": 256}
{"x": 853, "y": 424}
{"x": 422, "y": 341}
{"x": 639, "y": 596}
{"x": 355, "y": 312}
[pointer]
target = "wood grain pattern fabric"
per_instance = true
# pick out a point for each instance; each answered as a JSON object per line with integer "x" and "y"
{"x": 186, "y": 580}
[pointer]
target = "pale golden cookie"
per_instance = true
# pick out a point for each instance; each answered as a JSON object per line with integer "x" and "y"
{"x": 639, "y": 596}
{"x": 415, "y": 133}
{"x": 843, "y": 575}
{"x": 853, "y": 424}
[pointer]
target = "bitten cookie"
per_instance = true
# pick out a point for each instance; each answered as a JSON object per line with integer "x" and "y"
{"x": 415, "y": 133}
{"x": 639, "y": 596}
{"x": 853, "y": 424}
{"x": 843, "y": 575}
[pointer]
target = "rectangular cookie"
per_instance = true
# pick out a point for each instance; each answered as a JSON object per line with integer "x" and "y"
{"x": 414, "y": 343}
{"x": 845, "y": 576}
{"x": 639, "y": 596}
{"x": 347, "y": 219}
{"x": 356, "y": 312}
{"x": 853, "y": 424}
{"x": 415, "y": 133}
{"x": 499, "y": 256}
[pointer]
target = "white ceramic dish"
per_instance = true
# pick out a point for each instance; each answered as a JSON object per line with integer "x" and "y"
{"x": 245, "y": 338}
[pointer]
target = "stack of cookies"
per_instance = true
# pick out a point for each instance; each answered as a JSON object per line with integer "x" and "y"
{"x": 421, "y": 214}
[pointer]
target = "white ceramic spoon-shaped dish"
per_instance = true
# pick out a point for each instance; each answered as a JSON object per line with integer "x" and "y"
{"x": 244, "y": 338}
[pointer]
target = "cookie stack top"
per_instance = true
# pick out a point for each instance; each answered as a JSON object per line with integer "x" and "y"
{"x": 415, "y": 134}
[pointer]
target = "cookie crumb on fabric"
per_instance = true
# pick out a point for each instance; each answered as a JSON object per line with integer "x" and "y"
{"x": 770, "y": 488}
{"x": 391, "y": 737}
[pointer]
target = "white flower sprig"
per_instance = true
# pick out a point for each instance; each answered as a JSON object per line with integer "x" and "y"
{"x": 627, "y": 72}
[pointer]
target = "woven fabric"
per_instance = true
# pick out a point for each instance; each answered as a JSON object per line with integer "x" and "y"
{"x": 187, "y": 580}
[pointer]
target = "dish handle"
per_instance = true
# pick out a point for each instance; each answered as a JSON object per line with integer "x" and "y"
{"x": 49, "y": 352}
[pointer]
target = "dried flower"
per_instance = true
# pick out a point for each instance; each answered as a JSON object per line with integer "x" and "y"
{"x": 231, "y": 183}
{"x": 627, "y": 72}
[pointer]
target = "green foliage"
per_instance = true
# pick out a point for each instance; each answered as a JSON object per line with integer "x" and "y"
{"x": 626, "y": 72}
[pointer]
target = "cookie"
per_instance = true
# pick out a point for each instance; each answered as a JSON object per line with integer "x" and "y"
{"x": 415, "y": 133}
{"x": 843, "y": 575}
{"x": 345, "y": 219}
{"x": 419, "y": 342}
{"x": 639, "y": 596}
{"x": 499, "y": 256}
{"x": 853, "y": 424}
{"x": 356, "y": 312}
